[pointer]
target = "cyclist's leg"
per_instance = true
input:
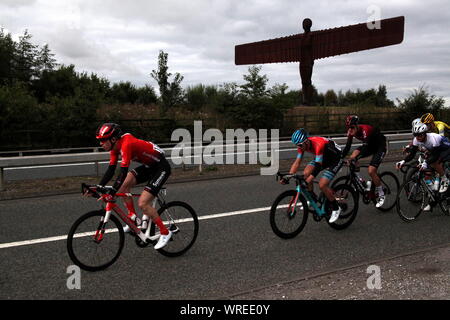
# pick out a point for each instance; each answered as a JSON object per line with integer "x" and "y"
{"x": 377, "y": 158}
{"x": 309, "y": 175}
{"x": 130, "y": 181}
{"x": 162, "y": 173}
{"x": 332, "y": 163}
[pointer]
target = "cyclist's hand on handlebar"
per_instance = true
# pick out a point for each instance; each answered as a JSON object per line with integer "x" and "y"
{"x": 284, "y": 181}
{"x": 107, "y": 198}
{"x": 422, "y": 166}
{"x": 399, "y": 164}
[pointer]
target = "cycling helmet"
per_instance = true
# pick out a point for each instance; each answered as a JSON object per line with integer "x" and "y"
{"x": 427, "y": 118}
{"x": 299, "y": 136}
{"x": 419, "y": 128}
{"x": 351, "y": 120}
{"x": 108, "y": 131}
{"x": 416, "y": 121}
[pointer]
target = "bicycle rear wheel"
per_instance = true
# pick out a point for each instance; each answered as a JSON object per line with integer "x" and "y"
{"x": 347, "y": 198}
{"x": 411, "y": 200}
{"x": 90, "y": 245}
{"x": 181, "y": 219}
{"x": 288, "y": 218}
{"x": 391, "y": 186}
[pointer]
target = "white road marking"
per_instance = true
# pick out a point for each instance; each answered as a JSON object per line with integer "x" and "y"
{"x": 85, "y": 234}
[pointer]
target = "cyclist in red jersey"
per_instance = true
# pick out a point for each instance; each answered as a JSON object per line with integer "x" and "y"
{"x": 374, "y": 143}
{"x": 155, "y": 169}
{"x": 327, "y": 156}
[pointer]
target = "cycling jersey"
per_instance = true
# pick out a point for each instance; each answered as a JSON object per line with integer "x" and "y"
{"x": 131, "y": 149}
{"x": 374, "y": 143}
{"x": 317, "y": 148}
{"x": 326, "y": 155}
{"x": 439, "y": 127}
{"x": 435, "y": 146}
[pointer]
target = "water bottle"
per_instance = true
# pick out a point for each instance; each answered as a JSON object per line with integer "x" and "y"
{"x": 368, "y": 185}
{"x": 436, "y": 183}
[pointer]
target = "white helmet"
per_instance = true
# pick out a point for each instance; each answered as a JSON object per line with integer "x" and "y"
{"x": 419, "y": 128}
{"x": 415, "y": 121}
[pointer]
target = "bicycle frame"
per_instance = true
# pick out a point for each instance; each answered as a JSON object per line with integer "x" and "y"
{"x": 112, "y": 206}
{"x": 319, "y": 211}
{"x": 421, "y": 180}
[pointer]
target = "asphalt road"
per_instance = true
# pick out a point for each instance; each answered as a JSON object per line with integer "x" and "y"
{"x": 232, "y": 254}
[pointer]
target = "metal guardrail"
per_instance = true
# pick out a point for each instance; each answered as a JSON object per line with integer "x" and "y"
{"x": 97, "y": 157}
{"x": 37, "y": 152}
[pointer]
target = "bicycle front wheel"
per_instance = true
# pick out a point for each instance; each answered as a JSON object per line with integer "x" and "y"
{"x": 288, "y": 214}
{"x": 391, "y": 186}
{"x": 411, "y": 200}
{"x": 181, "y": 219}
{"x": 92, "y": 246}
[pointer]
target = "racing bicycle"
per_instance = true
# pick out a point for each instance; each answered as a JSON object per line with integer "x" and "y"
{"x": 289, "y": 212}
{"x": 96, "y": 239}
{"x": 416, "y": 194}
{"x": 388, "y": 179}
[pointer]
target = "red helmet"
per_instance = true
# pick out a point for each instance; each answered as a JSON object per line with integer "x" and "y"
{"x": 351, "y": 120}
{"x": 108, "y": 131}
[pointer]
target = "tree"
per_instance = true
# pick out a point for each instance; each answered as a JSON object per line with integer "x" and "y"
{"x": 25, "y": 59}
{"x": 146, "y": 95}
{"x": 255, "y": 85}
{"x": 7, "y": 56}
{"x": 421, "y": 101}
{"x": 330, "y": 98}
{"x": 171, "y": 92}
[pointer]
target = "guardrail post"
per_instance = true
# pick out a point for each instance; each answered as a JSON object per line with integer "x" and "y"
{"x": 387, "y": 145}
{"x": 2, "y": 186}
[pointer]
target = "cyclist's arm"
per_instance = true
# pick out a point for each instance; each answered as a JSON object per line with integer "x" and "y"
{"x": 120, "y": 178}
{"x": 347, "y": 146}
{"x": 434, "y": 155}
{"x": 411, "y": 153}
{"x": 296, "y": 164}
{"x": 108, "y": 174}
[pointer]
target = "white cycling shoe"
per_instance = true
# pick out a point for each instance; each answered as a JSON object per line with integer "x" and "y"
{"x": 163, "y": 240}
{"x": 380, "y": 201}
{"x": 335, "y": 215}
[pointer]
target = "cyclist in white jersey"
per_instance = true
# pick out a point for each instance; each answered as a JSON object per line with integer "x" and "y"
{"x": 436, "y": 148}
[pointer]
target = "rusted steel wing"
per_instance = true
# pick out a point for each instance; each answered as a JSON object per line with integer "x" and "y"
{"x": 325, "y": 43}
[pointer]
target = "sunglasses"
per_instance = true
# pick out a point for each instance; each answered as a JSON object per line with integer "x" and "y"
{"x": 103, "y": 140}
{"x": 352, "y": 127}
{"x": 301, "y": 145}
{"x": 419, "y": 134}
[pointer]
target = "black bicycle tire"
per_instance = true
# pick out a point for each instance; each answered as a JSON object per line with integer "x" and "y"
{"x": 196, "y": 228}
{"x": 273, "y": 225}
{"x": 73, "y": 229}
{"x": 399, "y": 211}
{"x": 389, "y": 173}
{"x": 350, "y": 220}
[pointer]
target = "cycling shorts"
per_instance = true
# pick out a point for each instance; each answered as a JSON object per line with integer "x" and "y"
{"x": 332, "y": 162}
{"x": 377, "y": 149}
{"x": 155, "y": 174}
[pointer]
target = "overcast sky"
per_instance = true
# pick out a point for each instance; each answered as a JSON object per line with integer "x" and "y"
{"x": 120, "y": 40}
